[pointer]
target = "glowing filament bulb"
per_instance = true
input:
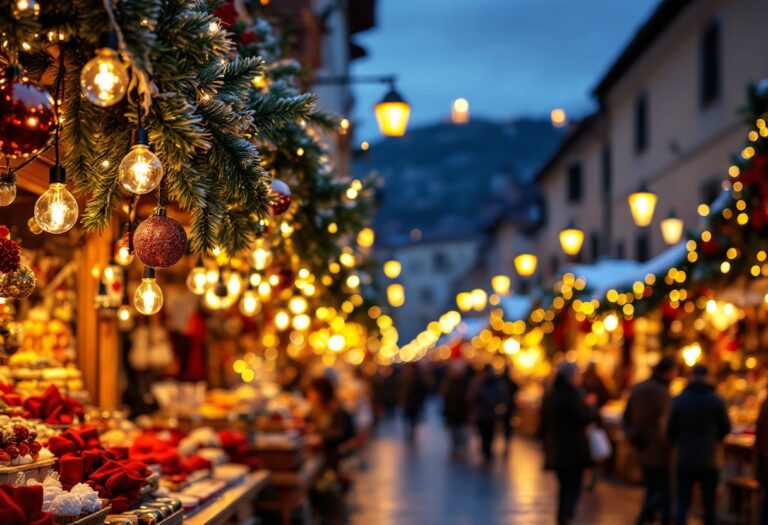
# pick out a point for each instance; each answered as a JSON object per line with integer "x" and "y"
{"x": 56, "y": 210}
{"x": 140, "y": 171}
{"x": 148, "y": 298}
{"x": 249, "y": 303}
{"x": 197, "y": 280}
{"x": 104, "y": 79}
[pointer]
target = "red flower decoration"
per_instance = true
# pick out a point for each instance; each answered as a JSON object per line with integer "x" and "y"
{"x": 10, "y": 256}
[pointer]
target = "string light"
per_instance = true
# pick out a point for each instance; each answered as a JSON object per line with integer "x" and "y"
{"x": 56, "y": 210}
{"x": 140, "y": 171}
{"x": 104, "y": 78}
{"x": 197, "y": 279}
{"x": 261, "y": 256}
{"x": 148, "y": 298}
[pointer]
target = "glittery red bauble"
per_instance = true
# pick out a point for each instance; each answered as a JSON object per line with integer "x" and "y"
{"x": 159, "y": 241}
{"x": 26, "y": 117}
{"x": 280, "y": 196}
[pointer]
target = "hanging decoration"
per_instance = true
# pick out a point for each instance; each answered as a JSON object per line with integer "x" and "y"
{"x": 26, "y": 116}
{"x": 56, "y": 210}
{"x": 280, "y": 197}
{"x": 104, "y": 79}
{"x": 159, "y": 241}
{"x": 148, "y": 297}
{"x": 17, "y": 280}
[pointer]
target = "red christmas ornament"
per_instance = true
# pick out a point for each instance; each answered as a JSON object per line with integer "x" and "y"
{"x": 10, "y": 257}
{"x": 26, "y": 117}
{"x": 159, "y": 241}
{"x": 280, "y": 196}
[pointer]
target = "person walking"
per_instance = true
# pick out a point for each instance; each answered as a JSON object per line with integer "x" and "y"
{"x": 455, "y": 406}
{"x": 510, "y": 407}
{"x": 565, "y": 416}
{"x": 761, "y": 451}
{"x": 487, "y": 397}
{"x": 413, "y": 391}
{"x": 698, "y": 422}
{"x": 644, "y": 422}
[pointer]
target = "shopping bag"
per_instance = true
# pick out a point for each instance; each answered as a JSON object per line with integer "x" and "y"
{"x": 600, "y": 447}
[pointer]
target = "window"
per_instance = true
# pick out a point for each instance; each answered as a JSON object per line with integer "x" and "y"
{"x": 575, "y": 187}
{"x": 441, "y": 262}
{"x": 710, "y": 190}
{"x": 709, "y": 86}
{"x": 643, "y": 247}
{"x": 606, "y": 169}
{"x": 427, "y": 295}
{"x": 641, "y": 123}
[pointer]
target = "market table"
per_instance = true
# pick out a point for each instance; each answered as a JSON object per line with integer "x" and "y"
{"x": 290, "y": 489}
{"x": 235, "y": 502}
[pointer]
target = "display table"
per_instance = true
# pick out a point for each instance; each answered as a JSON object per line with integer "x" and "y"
{"x": 289, "y": 489}
{"x": 236, "y": 502}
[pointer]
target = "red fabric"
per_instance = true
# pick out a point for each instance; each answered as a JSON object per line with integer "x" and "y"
{"x": 196, "y": 368}
{"x": 154, "y": 451}
{"x": 110, "y": 472}
{"x": 236, "y": 445}
{"x": 23, "y": 506}
{"x": 8, "y": 396}
{"x": 53, "y": 408}
{"x": 74, "y": 440}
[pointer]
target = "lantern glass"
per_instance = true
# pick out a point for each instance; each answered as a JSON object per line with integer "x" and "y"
{"x": 525, "y": 264}
{"x": 642, "y": 205}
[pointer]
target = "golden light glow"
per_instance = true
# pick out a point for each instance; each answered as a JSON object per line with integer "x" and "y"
{"x": 297, "y": 305}
{"x": 392, "y": 115}
{"x": 642, "y": 205}
{"x": 691, "y": 354}
{"x": 56, "y": 210}
{"x": 197, "y": 280}
{"x": 501, "y": 284}
{"x": 611, "y": 322}
{"x": 558, "y": 117}
{"x": 464, "y": 301}
{"x": 336, "y": 343}
{"x": 525, "y": 264}
{"x": 460, "y": 111}
{"x": 672, "y": 229}
{"x": 301, "y": 322}
{"x": 392, "y": 269}
{"x": 366, "y": 237}
{"x": 571, "y": 240}
{"x": 282, "y": 320}
{"x": 261, "y": 255}
{"x": 124, "y": 313}
{"x": 140, "y": 171}
{"x": 249, "y": 303}
{"x": 479, "y": 299}
{"x": 396, "y": 295}
{"x": 148, "y": 298}
{"x": 104, "y": 79}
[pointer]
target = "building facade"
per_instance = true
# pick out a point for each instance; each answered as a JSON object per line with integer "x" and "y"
{"x": 668, "y": 119}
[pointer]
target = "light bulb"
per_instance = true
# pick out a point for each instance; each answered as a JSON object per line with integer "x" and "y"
{"x": 123, "y": 255}
{"x": 282, "y": 320}
{"x": 124, "y": 313}
{"x": 197, "y": 280}
{"x": 140, "y": 171}
{"x": 7, "y": 192}
{"x": 104, "y": 79}
{"x": 56, "y": 209}
{"x": 249, "y": 303}
{"x": 261, "y": 255}
{"x": 297, "y": 305}
{"x": 148, "y": 298}
{"x": 111, "y": 273}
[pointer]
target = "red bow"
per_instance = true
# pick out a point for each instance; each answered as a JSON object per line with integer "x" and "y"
{"x": 53, "y": 408}
{"x": 23, "y": 506}
{"x": 74, "y": 440}
{"x": 151, "y": 450}
{"x": 8, "y": 396}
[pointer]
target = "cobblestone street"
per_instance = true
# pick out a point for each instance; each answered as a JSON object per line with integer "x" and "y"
{"x": 419, "y": 484}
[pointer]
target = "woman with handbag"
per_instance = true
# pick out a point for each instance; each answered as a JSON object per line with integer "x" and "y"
{"x": 565, "y": 416}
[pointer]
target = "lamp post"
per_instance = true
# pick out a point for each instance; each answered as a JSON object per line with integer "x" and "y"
{"x": 642, "y": 204}
{"x": 392, "y": 112}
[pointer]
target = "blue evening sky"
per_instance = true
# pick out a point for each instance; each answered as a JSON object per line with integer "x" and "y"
{"x": 509, "y": 58}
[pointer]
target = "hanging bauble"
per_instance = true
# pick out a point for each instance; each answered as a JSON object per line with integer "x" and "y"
{"x": 18, "y": 284}
{"x": 26, "y": 116}
{"x": 159, "y": 241}
{"x": 280, "y": 197}
{"x": 7, "y": 192}
{"x": 10, "y": 256}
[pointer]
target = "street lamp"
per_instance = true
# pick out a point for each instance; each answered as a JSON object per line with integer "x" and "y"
{"x": 501, "y": 284}
{"x": 672, "y": 228}
{"x": 571, "y": 239}
{"x": 392, "y": 112}
{"x": 642, "y": 204}
{"x": 525, "y": 264}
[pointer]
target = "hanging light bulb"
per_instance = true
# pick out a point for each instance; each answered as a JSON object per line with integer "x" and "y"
{"x": 124, "y": 314}
{"x": 111, "y": 272}
{"x": 197, "y": 280}
{"x": 140, "y": 171}
{"x": 148, "y": 298}
{"x": 56, "y": 209}
{"x": 672, "y": 228}
{"x": 104, "y": 79}
{"x": 261, "y": 255}
{"x": 392, "y": 114}
{"x": 7, "y": 190}
{"x": 525, "y": 264}
{"x": 642, "y": 204}
{"x": 571, "y": 239}
{"x": 124, "y": 256}
{"x": 249, "y": 303}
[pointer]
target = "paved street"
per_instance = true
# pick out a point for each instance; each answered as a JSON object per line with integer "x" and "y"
{"x": 419, "y": 484}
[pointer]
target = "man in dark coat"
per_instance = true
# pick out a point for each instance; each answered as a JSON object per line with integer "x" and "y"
{"x": 644, "y": 420}
{"x": 698, "y": 422}
{"x": 564, "y": 419}
{"x": 487, "y": 397}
